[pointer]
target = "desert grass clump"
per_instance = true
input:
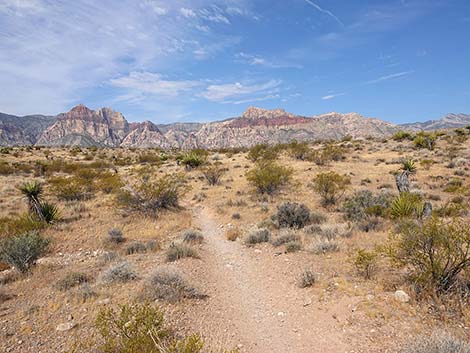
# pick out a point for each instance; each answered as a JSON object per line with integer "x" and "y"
{"x": 365, "y": 263}
{"x": 71, "y": 279}
{"x": 178, "y": 251}
{"x": 213, "y": 174}
{"x": 307, "y": 279}
{"x": 269, "y": 177}
{"x": 22, "y": 251}
{"x": 169, "y": 285}
{"x": 150, "y": 197}
{"x": 293, "y": 246}
{"x": 232, "y": 234}
{"x": 193, "y": 159}
{"x": 286, "y": 238}
{"x": 136, "y": 248}
{"x": 331, "y": 186}
{"x": 119, "y": 273}
{"x": 438, "y": 342}
{"x": 435, "y": 252}
{"x": 192, "y": 236}
{"x": 140, "y": 328}
{"x": 292, "y": 215}
{"x": 258, "y": 236}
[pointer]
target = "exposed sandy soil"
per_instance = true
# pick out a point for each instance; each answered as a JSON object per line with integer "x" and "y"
{"x": 254, "y": 301}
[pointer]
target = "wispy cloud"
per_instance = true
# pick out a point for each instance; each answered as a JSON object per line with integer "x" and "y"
{"x": 389, "y": 77}
{"x": 326, "y": 12}
{"x": 332, "y": 96}
{"x": 257, "y": 60}
{"x": 239, "y": 91}
{"x": 153, "y": 83}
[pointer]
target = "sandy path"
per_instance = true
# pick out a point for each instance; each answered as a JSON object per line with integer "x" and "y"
{"x": 254, "y": 303}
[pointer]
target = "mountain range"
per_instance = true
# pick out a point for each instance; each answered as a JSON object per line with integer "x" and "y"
{"x": 105, "y": 127}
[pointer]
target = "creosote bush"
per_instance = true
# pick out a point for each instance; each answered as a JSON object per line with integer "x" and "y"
{"x": 331, "y": 186}
{"x": 435, "y": 252}
{"x": 263, "y": 152}
{"x": 213, "y": 174}
{"x": 22, "y": 251}
{"x": 425, "y": 140}
{"x": 292, "y": 215}
{"x": 72, "y": 279}
{"x": 268, "y": 177}
{"x": 140, "y": 328}
{"x": 365, "y": 263}
{"x": 307, "y": 279}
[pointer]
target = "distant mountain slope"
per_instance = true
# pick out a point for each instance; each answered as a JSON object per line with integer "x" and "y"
{"x": 450, "y": 121}
{"x": 106, "y": 127}
{"x": 22, "y": 130}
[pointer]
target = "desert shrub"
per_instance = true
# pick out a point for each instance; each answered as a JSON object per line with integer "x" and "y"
{"x": 425, "y": 140}
{"x": 408, "y": 166}
{"x": 22, "y": 251}
{"x": 365, "y": 263}
{"x": 33, "y": 191}
{"x": 434, "y": 251}
{"x": 192, "y": 236}
{"x": 453, "y": 185}
{"x": 169, "y": 285}
{"x": 70, "y": 188}
{"x": 258, "y": 236}
{"x": 115, "y": 236}
{"x": 19, "y": 225}
{"x": 407, "y": 205}
{"x": 438, "y": 342}
{"x": 49, "y": 212}
{"x": 307, "y": 279}
{"x": 140, "y": 328}
{"x": 120, "y": 272}
{"x": 180, "y": 251}
{"x": 268, "y": 177}
{"x": 193, "y": 159}
{"x": 299, "y": 150}
{"x": 402, "y": 135}
{"x": 292, "y": 215}
{"x": 328, "y": 153}
{"x": 232, "y": 234}
{"x": 150, "y": 197}
{"x": 331, "y": 186}
{"x": 6, "y": 169}
{"x": 317, "y": 217}
{"x": 213, "y": 174}
{"x": 71, "y": 280}
{"x": 293, "y": 246}
{"x": 136, "y": 248}
{"x": 323, "y": 246}
{"x": 109, "y": 183}
{"x": 285, "y": 238}
{"x": 263, "y": 152}
{"x": 364, "y": 208}
{"x": 148, "y": 157}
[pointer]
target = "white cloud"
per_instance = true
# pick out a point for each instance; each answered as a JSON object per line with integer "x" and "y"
{"x": 237, "y": 90}
{"x": 327, "y": 12}
{"x": 332, "y": 96}
{"x": 389, "y": 77}
{"x": 257, "y": 60}
{"x": 153, "y": 83}
{"x": 188, "y": 13}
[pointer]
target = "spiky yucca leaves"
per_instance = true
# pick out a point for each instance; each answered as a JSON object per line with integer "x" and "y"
{"x": 49, "y": 212}
{"x": 33, "y": 191}
{"x": 407, "y": 205}
{"x": 408, "y": 166}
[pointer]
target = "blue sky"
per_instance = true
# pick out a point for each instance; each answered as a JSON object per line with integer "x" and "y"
{"x": 201, "y": 60}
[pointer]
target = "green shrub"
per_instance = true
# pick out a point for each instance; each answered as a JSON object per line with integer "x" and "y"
{"x": 139, "y": 328}
{"x": 268, "y": 177}
{"x": 407, "y": 205}
{"x": 408, "y": 166}
{"x": 435, "y": 252}
{"x": 70, "y": 188}
{"x": 151, "y": 197}
{"x": 18, "y": 225}
{"x": 22, "y": 251}
{"x": 365, "y": 263}
{"x": 363, "y": 205}
{"x": 193, "y": 159}
{"x": 402, "y": 135}
{"x": 299, "y": 150}
{"x": 292, "y": 215}
{"x": 49, "y": 212}
{"x": 425, "y": 140}
{"x": 263, "y": 152}
{"x": 331, "y": 186}
{"x": 180, "y": 251}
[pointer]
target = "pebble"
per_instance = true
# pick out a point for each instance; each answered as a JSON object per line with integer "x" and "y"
{"x": 66, "y": 326}
{"x": 402, "y": 296}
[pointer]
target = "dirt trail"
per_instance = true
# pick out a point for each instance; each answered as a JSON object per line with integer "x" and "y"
{"x": 254, "y": 303}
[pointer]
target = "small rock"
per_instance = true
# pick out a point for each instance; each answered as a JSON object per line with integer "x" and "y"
{"x": 66, "y": 327}
{"x": 258, "y": 251}
{"x": 401, "y": 296}
{"x": 280, "y": 313}
{"x": 370, "y": 297}
{"x": 104, "y": 301}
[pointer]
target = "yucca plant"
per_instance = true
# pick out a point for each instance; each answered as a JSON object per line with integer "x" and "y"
{"x": 33, "y": 191}
{"x": 408, "y": 166}
{"x": 407, "y": 205}
{"x": 49, "y": 212}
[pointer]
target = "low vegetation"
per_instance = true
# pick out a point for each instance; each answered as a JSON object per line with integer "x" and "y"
{"x": 331, "y": 186}
{"x": 22, "y": 251}
{"x": 269, "y": 177}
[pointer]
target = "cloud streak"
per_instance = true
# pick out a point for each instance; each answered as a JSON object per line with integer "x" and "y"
{"x": 332, "y": 96}
{"x": 324, "y": 11}
{"x": 389, "y": 77}
{"x": 239, "y": 91}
